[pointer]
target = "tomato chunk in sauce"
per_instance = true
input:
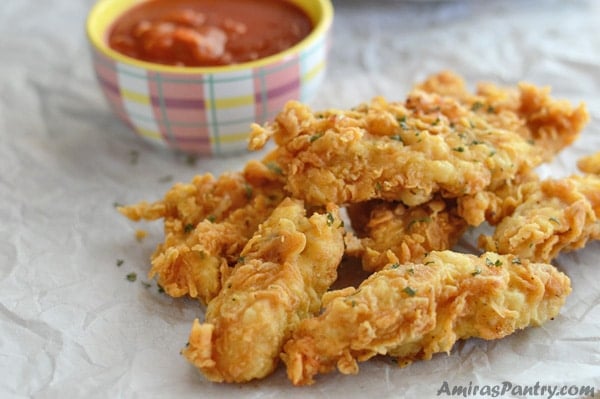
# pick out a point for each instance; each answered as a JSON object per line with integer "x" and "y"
{"x": 208, "y": 32}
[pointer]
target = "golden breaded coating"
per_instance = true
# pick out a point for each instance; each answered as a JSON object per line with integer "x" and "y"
{"x": 206, "y": 224}
{"x": 442, "y": 139}
{"x": 590, "y": 164}
{"x": 285, "y": 268}
{"x": 413, "y": 311}
{"x": 526, "y": 109}
{"x": 554, "y": 216}
{"x": 408, "y": 232}
{"x": 398, "y": 152}
{"x": 493, "y": 205}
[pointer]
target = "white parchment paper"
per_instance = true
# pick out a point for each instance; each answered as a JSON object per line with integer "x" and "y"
{"x": 73, "y": 326}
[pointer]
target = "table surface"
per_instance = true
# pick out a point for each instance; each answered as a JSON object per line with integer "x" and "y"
{"x": 71, "y": 325}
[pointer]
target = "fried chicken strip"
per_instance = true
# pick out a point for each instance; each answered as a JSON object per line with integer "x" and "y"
{"x": 394, "y": 151}
{"x": 285, "y": 268}
{"x": 526, "y": 109}
{"x": 409, "y": 232}
{"x": 206, "y": 224}
{"x": 442, "y": 139}
{"x": 415, "y": 310}
{"x": 554, "y": 216}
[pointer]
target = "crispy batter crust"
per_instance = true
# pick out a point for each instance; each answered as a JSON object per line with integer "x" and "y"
{"x": 207, "y": 222}
{"x": 408, "y": 232}
{"x": 553, "y": 216}
{"x": 287, "y": 265}
{"x": 415, "y": 310}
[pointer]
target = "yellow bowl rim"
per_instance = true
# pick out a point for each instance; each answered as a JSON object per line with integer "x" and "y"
{"x": 97, "y": 40}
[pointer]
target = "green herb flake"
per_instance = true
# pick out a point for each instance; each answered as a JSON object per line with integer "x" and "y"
{"x": 146, "y": 284}
{"x": 409, "y": 291}
{"x": 411, "y": 271}
{"x": 191, "y": 160}
{"x": 436, "y": 122}
{"x": 160, "y": 289}
{"x": 165, "y": 179}
{"x": 491, "y": 263}
{"x": 476, "y": 106}
{"x": 211, "y": 218}
{"x": 397, "y": 137}
{"x": 516, "y": 260}
{"x": 241, "y": 259}
{"x": 315, "y": 137}
{"x": 249, "y": 191}
{"x": 188, "y": 228}
{"x": 330, "y": 219}
{"x": 554, "y": 220}
{"x": 428, "y": 263}
{"x": 395, "y": 266}
{"x": 134, "y": 156}
{"x": 414, "y": 221}
{"x": 120, "y": 262}
{"x": 491, "y": 109}
{"x": 459, "y": 149}
{"x": 476, "y": 272}
{"x": 131, "y": 277}
{"x": 117, "y": 204}
{"x": 402, "y": 122}
{"x": 273, "y": 167}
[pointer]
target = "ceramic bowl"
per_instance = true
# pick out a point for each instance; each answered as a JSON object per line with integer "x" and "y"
{"x": 206, "y": 110}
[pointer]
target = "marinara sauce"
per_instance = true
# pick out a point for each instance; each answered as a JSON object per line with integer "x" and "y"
{"x": 208, "y": 32}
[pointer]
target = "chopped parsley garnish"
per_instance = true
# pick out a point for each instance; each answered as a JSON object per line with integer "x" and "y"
{"x": 165, "y": 179}
{"x": 330, "y": 219}
{"x": 145, "y": 284}
{"x": 491, "y": 263}
{"x": 476, "y": 105}
{"x": 409, "y": 291}
{"x": 189, "y": 228}
{"x": 554, "y": 220}
{"x": 422, "y": 220}
{"x": 211, "y": 218}
{"x": 191, "y": 160}
{"x": 248, "y": 189}
{"x": 458, "y": 149}
{"x": 120, "y": 262}
{"x": 395, "y": 266}
{"x": 315, "y": 137}
{"x": 402, "y": 122}
{"x": 476, "y": 272}
{"x": 131, "y": 276}
{"x": 134, "y": 156}
{"x": 396, "y": 137}
{"x": 273, "y": 167}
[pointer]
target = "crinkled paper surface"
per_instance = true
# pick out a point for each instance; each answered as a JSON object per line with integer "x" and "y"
{"x": 73, "y": 326}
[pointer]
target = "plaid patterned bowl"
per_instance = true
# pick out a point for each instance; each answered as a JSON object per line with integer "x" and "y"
{"x": 208, "y": 110}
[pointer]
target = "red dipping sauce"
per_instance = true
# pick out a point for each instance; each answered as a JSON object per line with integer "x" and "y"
{"x": 208, "y": 32}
